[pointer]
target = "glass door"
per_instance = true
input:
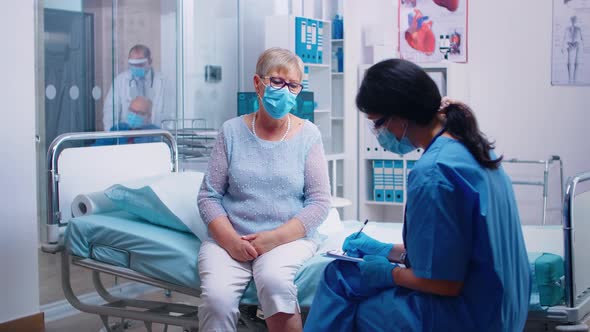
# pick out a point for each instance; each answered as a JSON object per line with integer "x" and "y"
{"x": 104, "y": 65}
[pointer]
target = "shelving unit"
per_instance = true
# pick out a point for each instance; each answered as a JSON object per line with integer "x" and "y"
{"x": 303, "y": 35}
{"x": 307, "y": 38}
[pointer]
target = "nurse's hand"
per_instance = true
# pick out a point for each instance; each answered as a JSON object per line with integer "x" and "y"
{"x": 361, "y": 245}
{"x": 262, "y": 242}
{"x": 242, "y": 251}
{"x": 376, "y": 272}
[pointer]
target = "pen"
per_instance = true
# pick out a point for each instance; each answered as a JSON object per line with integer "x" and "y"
{"x": 360, "y": 230}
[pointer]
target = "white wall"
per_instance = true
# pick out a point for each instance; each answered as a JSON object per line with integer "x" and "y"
{"x": 508, "y": 85}
{"x": 19, "y": 287}
{"x": 510, "y": 74}
{"x": 210, "y": 38}
{"x": 360, "y": 17}
{"x": 252, "y": 16}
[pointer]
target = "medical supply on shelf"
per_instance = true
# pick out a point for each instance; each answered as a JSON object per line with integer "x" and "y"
{"x": 337, "y": 27}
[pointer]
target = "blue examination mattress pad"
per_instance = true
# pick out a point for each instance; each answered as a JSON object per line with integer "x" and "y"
{"x": 121, "y": 239}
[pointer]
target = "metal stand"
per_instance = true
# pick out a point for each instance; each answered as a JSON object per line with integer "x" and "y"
{"x": 547, "y": 163}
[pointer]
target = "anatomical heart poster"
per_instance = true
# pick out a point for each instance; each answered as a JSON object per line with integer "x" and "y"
{"x": 433, "y": 30}
{"x": 570, "y": 60}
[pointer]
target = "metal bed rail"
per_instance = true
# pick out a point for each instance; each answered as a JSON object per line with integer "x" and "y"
{"x": 194, "y": 138}
{"x": 574, "y": 314}
{"x": 148, "y": 311}
{"x": 568, "y": 230}
{"x": 576, "y": 308}
{"x": 546, "y": 163}
{"x": 56, "y": 148}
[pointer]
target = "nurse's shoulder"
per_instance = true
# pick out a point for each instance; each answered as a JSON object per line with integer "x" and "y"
{"x": 447, "y": 161}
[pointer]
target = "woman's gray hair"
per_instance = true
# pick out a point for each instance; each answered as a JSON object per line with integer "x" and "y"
{"x": 278, "y": 58}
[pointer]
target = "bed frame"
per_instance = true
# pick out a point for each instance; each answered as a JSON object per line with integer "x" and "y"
{"x": 575, "y": 313}
{"x": 147, "y": 311}
{"x": 567, "y": 317}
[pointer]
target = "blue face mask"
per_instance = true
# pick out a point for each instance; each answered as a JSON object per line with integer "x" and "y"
{"x": 138, "y": 72}
{"x": 278, "y": 103}
{"x": 390, "y": 143}
{"x": 134, "y": 120}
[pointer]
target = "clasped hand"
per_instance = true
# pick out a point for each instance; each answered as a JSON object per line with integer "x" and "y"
{"x": 262, "y": 242}
{"x": 249, "y": 247}
{"x": 242, "y": 251}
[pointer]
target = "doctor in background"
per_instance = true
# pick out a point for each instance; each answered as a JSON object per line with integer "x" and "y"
{"x": 139, "y": 85}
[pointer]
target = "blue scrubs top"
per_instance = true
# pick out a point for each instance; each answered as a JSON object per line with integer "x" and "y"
{"x": 461, "y": 224}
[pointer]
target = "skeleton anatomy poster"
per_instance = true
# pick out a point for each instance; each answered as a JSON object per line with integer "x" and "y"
{"x": 570, "y": 63}
{"x": 433, "y": 30}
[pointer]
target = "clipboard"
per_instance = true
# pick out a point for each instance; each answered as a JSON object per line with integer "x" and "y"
{"x": 339, "y": 254}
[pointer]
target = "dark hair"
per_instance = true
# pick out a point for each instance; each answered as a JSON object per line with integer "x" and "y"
{"x": 398, "y": 87}
{"x": 142, "y": 48}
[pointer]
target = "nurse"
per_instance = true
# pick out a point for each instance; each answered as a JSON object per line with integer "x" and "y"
{"x": 466, "y": 267}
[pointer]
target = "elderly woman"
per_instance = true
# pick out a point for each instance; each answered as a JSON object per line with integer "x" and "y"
{"x": 265, "y": 194}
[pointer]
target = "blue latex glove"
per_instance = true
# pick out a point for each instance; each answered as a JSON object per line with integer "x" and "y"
{"x": 365, "y": 245}
{"x": 376, "y": 272}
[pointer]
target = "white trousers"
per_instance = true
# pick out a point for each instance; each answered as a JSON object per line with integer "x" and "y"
{"x": 223, "y": 281}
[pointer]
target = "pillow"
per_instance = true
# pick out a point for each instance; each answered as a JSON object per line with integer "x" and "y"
{"x": 332, "y": 224}
{"x": 169, "y": 200}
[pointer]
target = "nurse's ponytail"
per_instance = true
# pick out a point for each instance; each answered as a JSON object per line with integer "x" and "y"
{"x": 460, "y": 122}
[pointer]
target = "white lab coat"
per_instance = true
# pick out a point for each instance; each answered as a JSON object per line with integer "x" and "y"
{"x": 122, "y": 99}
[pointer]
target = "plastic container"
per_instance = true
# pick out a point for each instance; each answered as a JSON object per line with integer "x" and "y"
{"x": 340, "y": 59}
{"x": 337, "y": 27}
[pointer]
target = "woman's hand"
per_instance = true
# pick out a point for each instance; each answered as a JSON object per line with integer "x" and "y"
{"x": 263, "y": 242}
{"x": 242, "y": 250}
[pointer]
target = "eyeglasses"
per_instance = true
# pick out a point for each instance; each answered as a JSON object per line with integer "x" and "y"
{"x": 380, "y": 122}
{"x": 375, "y": 126}
{"x": 278, "y": 83}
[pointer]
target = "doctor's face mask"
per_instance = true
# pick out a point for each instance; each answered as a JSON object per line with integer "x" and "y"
{"x": 139, "y": 67}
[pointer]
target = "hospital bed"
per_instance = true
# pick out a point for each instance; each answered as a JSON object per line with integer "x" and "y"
{"x": 121, "y": 244}
{"x": 194, "y": 138}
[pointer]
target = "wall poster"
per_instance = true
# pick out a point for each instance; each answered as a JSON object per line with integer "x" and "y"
{"x": 570, "y": 58}
{"x": 433, "y": 30}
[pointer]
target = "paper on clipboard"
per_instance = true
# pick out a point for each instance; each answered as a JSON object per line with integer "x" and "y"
{"x": 338, "y": 254}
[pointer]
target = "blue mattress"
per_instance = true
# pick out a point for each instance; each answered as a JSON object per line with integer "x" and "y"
{"x": 121, "y": 239}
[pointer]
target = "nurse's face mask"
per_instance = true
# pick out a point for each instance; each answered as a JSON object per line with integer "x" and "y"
{"x": 388, "y": 140}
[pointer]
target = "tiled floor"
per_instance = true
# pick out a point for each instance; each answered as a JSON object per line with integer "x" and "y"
{"x": 91, "y": 323}
{"x": 50, "y": 279}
